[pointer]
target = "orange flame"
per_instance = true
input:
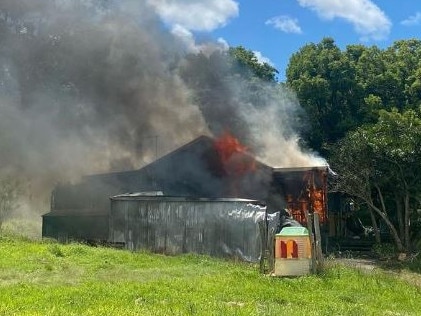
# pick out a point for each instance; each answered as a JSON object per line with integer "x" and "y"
{"x": 234, "y": 155}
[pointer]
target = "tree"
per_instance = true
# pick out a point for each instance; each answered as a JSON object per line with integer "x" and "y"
{"x": 246, "y": 62}
{"x": 342, "y": 90}
{"x": 379, "y": 165}
{"x": 404, "y": 63}
{"x": 324, "y": 80}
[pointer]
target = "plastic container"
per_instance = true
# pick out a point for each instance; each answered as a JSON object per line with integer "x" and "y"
{"x": 292, "y": 252}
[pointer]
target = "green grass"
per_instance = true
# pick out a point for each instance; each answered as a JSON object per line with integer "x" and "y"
{"x": 46, "y": 278}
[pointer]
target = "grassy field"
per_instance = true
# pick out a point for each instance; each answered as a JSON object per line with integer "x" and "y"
{"x": 46, "y": 278}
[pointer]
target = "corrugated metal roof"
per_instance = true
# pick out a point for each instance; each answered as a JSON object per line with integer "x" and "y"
{"x": 140, "y": 196}
{"x": 136, "y": 194}
{"x": 300, "y": 169}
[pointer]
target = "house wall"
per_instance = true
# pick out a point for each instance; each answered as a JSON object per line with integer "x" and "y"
{"x": 76, "y": 227}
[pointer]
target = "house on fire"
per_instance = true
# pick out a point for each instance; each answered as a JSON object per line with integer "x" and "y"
{"x": 205, "y": 174}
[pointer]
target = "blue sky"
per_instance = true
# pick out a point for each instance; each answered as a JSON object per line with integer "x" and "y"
{"x": 275, "y": 29}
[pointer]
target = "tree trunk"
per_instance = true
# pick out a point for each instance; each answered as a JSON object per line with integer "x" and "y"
{"x": 407, "y": 222}
{"x": 400, "y": 217}
{"x": 393, "y": 231}
{"x": 375, "y": 226}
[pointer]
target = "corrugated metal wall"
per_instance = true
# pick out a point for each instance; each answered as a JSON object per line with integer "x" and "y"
{"x": 225, "y": 227}
{"x": 75, "y": 228}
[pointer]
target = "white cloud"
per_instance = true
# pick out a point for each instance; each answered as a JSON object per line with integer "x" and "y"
{"x": 367, "y": 18}
{"x": 196, "y": 15}
{"x": 187, "y": 38}
{"x": 262, "y": 59}
{"x": 412, "y": 20}
{"x": 223, "y": 43}
{"x": 285, "y": 24}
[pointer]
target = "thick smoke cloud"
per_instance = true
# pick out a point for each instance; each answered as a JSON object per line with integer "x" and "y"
{"x": 265, "y": 116}
{"x": 97, "y": 85}
{"x": 85, "y": 87}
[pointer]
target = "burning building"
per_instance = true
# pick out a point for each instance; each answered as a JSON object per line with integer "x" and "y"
{"x": 203, "y": 177}
{"x": 84, "y": 83}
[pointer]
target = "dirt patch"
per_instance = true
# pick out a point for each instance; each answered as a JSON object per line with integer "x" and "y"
{"x": 370, "y": 265}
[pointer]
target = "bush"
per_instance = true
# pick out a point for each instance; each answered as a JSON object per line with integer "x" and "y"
{"x": 384, "y": 251}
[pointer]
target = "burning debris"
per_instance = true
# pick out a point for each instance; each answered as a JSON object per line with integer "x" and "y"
{"x": 305, "y": 190}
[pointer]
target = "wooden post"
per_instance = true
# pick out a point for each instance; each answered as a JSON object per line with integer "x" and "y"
{"x": 313, "y": 227}
{"x": 318, "y": 243}
{"x": 264, "y": 252}
{"x": 309, "y": 218}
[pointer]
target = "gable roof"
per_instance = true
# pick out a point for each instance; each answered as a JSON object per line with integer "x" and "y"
{"x": 202, "y": 146}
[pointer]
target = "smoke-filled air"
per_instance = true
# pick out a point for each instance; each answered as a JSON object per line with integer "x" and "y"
{"x": 97, "y": 86}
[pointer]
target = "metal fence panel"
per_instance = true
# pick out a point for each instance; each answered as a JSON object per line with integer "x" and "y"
{"x": 222, "y": 228}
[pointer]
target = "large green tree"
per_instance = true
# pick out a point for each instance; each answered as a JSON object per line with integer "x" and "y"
{"x": 379, "y": 165}
{"x": 324, "y": 81}
{"x": 342, "y": 90}
{"x": 404, "y": 65}
{"x": 246, "y": 62}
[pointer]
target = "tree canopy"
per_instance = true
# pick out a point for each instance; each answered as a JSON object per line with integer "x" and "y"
{"x": 362, "y": 106}
{"x": 245, "y": 61}
{"x": 341, "y": 90}
{"x": 379, "y": 164}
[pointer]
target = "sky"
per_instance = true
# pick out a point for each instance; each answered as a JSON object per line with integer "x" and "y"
{"x": 276, "y": 29}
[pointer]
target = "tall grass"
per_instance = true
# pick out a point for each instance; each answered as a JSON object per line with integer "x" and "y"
{"x": 22, "y": 227}
{"x": 46, "y": 278}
